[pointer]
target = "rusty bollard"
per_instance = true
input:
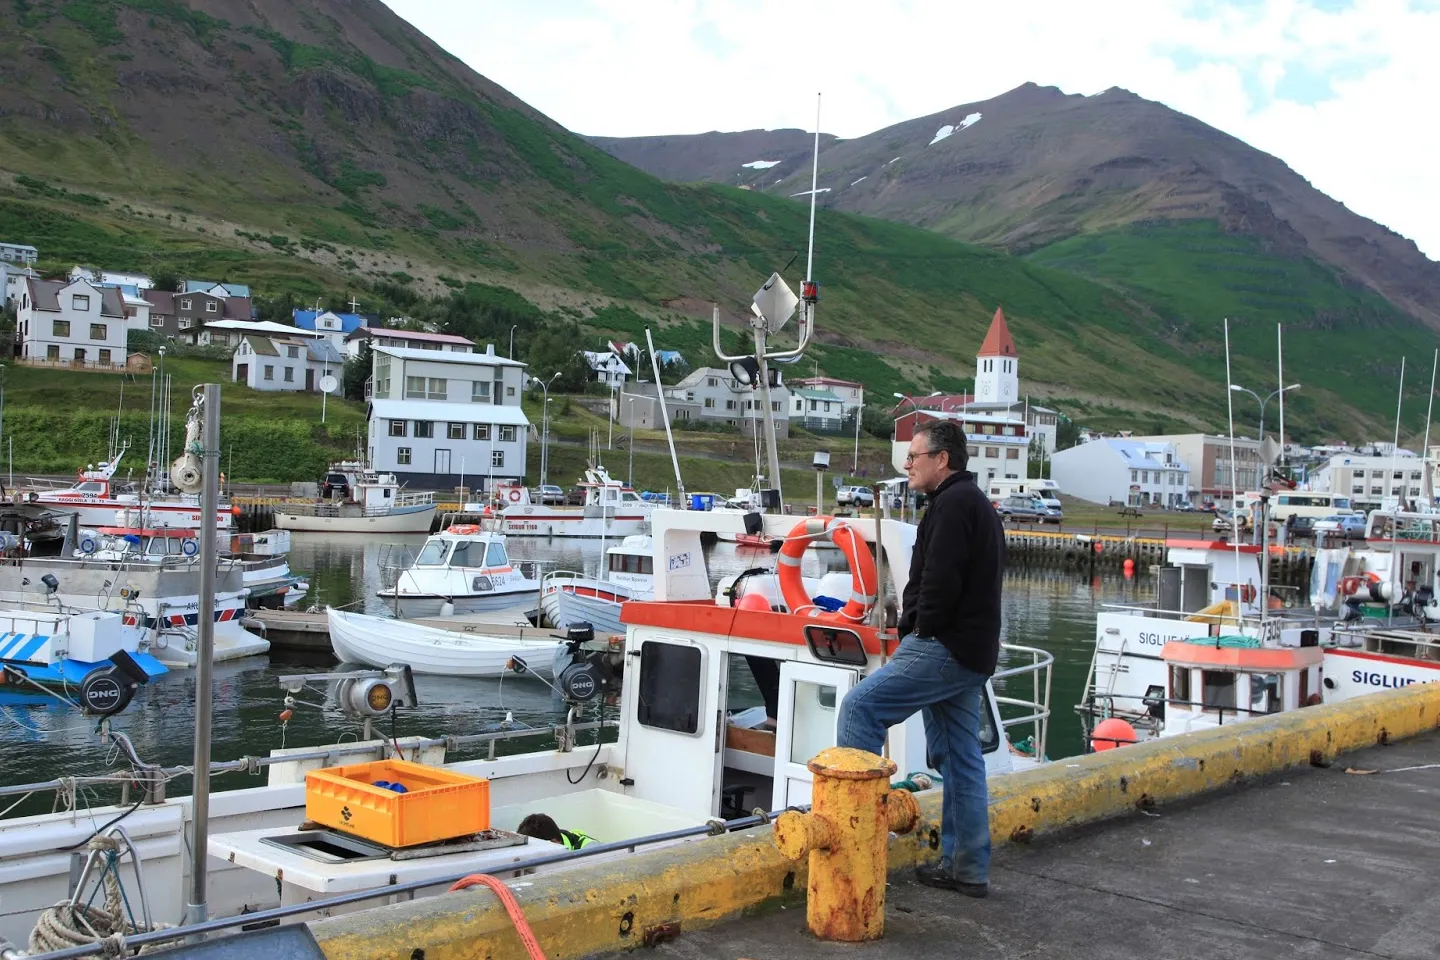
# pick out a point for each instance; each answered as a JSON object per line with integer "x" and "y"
{"x": 847, "y": 836}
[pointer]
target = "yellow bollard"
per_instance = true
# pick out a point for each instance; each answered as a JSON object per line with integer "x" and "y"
{"x": 847, "y": 836}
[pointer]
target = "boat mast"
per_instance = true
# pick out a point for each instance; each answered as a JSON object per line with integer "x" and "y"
{"x": 1427, "y": 486}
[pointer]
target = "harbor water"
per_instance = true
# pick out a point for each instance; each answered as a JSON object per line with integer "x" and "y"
{"x": 1048, "y": 607}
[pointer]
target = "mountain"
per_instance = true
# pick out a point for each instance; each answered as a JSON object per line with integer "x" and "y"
{"x": 1035, "y": 166}
{"x": 325, "y": 148}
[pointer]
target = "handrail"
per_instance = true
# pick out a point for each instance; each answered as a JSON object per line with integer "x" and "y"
{"x": 1040, "y": 670}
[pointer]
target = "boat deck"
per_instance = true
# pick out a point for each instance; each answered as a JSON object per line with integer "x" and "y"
{"x": 1315, "y": 863}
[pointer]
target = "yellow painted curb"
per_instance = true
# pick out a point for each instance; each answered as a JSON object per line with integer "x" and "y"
{"x": 636, "y": 901}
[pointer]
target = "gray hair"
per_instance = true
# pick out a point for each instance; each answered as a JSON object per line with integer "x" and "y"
{"x": 947, "y": 436}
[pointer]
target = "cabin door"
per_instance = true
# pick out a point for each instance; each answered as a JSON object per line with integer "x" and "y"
{"x": 810, "y": 696}
{"x": 676, "y": 725}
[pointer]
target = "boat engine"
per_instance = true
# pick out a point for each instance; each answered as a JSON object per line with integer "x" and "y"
{"x": 592, "y": 668}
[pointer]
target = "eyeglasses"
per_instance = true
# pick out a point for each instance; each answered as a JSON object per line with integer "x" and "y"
{"x": 912, "y": 457}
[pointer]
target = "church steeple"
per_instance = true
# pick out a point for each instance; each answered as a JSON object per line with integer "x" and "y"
{"x": 997, "y": 375}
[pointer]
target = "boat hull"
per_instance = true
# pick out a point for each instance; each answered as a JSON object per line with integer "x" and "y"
{"x": 71, "y": 672}
{"x": 558, "y": 522}
{"x": 378, "y": 642}
{"x": 593, "y": 602}
{"x": 398, "y": 520}
{"x": 411, "y": 606}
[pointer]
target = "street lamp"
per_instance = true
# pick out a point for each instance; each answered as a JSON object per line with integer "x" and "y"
{"x": 912, "y": 400}
{"x": 545, "y": 427}
{"x": 1235, "y": 387}
{"x": 630, "y": 467}
{"x": 512, "y": 341}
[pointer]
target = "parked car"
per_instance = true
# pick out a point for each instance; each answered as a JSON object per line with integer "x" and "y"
{"x": 552, "y": 494}
{"x": 1302, "y": 527}
{"x": 1053, "y": 514}
{"x": 1024, "y": 509}
{"x": 1226, "y": 522}
{"x": 575, "y": 497}
{"x": 1349, "y": 526}
{"x": 335, "y": 486}
{"x": 1184, "y": 506}
{"x": 855, "y": 497}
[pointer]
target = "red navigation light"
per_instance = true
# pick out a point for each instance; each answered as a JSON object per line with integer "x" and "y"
{"x": 809, "y": 291}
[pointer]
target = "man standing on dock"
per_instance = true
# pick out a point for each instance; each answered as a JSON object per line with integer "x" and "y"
{"x": 950, "y": 641}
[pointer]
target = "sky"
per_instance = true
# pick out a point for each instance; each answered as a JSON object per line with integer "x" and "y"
{"x": 1344, "y": 91}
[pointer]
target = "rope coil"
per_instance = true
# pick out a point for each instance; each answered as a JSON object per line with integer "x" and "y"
{"x": 72, "y": 924}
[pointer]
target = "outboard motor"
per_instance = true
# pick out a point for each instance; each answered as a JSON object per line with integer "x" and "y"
{"x": 588, "y": 674}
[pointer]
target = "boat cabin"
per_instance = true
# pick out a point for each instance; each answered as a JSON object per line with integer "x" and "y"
{"x": 1217, "y": 680}
{"x": 632, "y": 563}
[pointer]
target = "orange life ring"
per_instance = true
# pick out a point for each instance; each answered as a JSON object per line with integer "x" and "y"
{"x": 462, "y": 528}
{"x": 1350, "y": 586}
{"x": 514, "y": 496}
{"x": 863, "y": 581}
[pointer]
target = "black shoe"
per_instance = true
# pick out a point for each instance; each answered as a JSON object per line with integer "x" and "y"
{"x": 938, "y": 875}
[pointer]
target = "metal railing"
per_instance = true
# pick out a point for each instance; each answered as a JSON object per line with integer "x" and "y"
{"x": 1036, "y": 709}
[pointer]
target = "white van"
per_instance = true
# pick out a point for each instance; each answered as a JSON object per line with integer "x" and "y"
{"x": 1309, "y": 503}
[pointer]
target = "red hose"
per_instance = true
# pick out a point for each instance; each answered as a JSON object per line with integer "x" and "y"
{"x": 512, "y": 907}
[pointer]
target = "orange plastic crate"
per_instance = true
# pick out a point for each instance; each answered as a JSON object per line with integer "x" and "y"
{"x": 439, "y": 805}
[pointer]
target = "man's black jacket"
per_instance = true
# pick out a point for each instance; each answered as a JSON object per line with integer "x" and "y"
{"x": 953, "y": 594}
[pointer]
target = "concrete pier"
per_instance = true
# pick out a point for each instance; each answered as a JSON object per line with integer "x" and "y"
{"x": 1316, "y": 863}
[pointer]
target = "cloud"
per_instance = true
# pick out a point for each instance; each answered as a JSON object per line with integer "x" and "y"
{"x": 1338, "y": 89}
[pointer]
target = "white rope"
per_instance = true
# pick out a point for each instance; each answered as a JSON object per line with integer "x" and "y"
{"x": 72, "y": 924}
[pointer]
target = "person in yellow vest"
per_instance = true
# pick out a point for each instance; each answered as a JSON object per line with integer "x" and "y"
{"x": 542, "y": 827}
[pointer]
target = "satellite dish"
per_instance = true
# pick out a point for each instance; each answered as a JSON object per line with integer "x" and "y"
{"x": 329, "y": 383}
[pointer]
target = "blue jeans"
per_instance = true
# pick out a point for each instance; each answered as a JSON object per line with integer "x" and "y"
{"x": 923, "y": 676}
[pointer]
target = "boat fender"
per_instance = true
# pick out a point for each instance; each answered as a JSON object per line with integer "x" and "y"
{"x": 189, "y": 547}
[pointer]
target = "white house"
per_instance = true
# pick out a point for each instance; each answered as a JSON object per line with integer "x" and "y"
{"x": 74, "y": 322}
{"x": 818, "y": 410}
{"x": 18, "y": 252}
{"x": 712, "y": 395}
{"x": 851, "y": 394}
{"x": 225, "y": 333}
{"x": 284, "y": 363}
{"x": 1370, "y": 481}
{"x": 437, "y": 417}
{"x": 1116, "y": 470}
{"x": 414, "y": 339}
{"x": 111, "y": 278}
{"x": 608, "y": 368}
{"x": 998, "y": 446}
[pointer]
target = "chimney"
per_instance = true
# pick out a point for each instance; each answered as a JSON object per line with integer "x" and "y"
{"x": 489, "y": 349}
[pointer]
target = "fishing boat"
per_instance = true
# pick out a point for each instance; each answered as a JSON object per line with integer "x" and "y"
{"x": 58, "y": 649}
{"x": 612, "y": 509}
{"x": 93, "y": 498}
{"x": 262, "y": 575}
{"x": 568, "y": 598}
{"x": 461, "y": 569}
{"x": 380, "y": 641}
{"x": 362, "y": 501}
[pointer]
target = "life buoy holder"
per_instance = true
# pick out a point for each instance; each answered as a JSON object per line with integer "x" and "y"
{"x": 88, "y": 546}
{"x": 514, "y": 496}
{"x": 863, "y": 581}
{"x": 189, "y": 547}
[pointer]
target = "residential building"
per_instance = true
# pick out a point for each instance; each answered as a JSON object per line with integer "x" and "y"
{"x": 111, "y": 278}
{"x": 229, "y": 333}
{"x": 334, "y": 326}
{"x": 284, "y": 363}
{"x": 1214, "y": 474}
{"x": 437, "y": 417}
{"x": 1371, "y": 480}
{"x": 851, "y": 394}
{"x": 224, "y": 291}
{"x": 181, "y": 315}
{"x": 606, "y": 366}
{"x": 1137, "y": 473}
{"x": 415, "y": 339}
{"x": 712, "y": 395}
{"x": 18, "y": 253}
{"x": 820, "y": 411}
{"x": 997, "y": 388}
{"x": 997, "y": 445}
{"x": 71, "y": 322}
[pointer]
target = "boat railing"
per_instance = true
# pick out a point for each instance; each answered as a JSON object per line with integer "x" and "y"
{"x": 422, "y": 499}
{"x": 1033, "y": 711}
{"x": 144, "y": 776}
{"x": 1149, "y": 708}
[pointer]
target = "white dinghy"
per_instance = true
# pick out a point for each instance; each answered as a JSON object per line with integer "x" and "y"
{"x": 378, "y": 641}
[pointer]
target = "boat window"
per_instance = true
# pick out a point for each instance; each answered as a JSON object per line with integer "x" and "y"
{"x": 832, "y": 645}
{"x": 432, "y": 553}
{"x": 1217, "y": 690}
{"x": 630, "y": 497}
{"x": 1265, "y": 692}
{"x": 92, "y": 487}
{"x": 468, "y": 553}
{"x": 496, "y": 555}
{"x": 647, "y": 565}
{"x": 1180, "y": 685}
{"x": 669, "y": 693}
{"x": 812, "y": 723}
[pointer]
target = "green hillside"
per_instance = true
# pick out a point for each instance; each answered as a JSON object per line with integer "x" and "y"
{"x": 329, "y": 150}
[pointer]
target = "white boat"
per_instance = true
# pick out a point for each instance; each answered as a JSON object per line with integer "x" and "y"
{"x": 380, "y": 641}
{"x": 462, "y": 569}
{"x": 568, "y": 597}
{"x": 611, "y": 509}
{"x": 262, "y": 575}
{"x": 368, "y": 502}
{"x": 51, "y": 648}
{"x": 94, "y": 500}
